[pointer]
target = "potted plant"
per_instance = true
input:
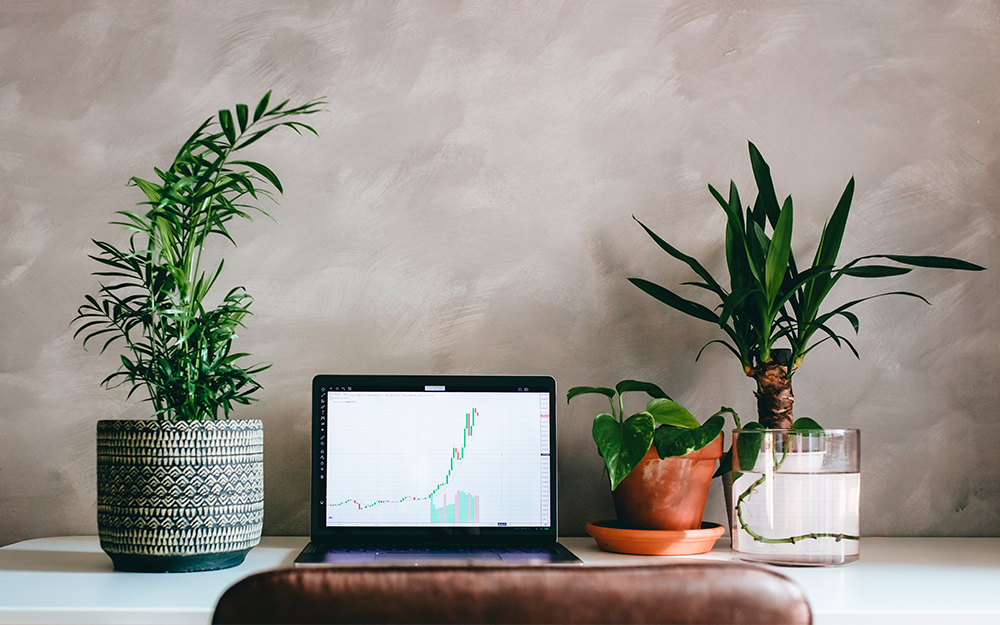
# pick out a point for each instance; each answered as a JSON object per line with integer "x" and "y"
{"x": 183, "y": 492}
{"x": 772, "y": 311}
{"x": 660, "y": 463}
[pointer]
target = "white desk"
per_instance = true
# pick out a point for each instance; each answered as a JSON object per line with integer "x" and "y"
{"x": 897, "y": 580}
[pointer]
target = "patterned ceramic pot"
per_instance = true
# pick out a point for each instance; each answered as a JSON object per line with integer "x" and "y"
{"x": 179, "y": 495}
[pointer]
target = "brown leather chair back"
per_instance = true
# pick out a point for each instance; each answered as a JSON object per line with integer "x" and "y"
{"x": 681, "y": 592}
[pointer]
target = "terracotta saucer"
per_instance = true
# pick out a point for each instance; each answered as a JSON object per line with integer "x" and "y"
{"x": 611, "y": 537}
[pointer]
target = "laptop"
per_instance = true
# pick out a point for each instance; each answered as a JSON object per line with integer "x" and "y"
{"x": 411, "y": 470}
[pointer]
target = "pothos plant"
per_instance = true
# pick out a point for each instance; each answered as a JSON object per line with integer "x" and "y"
{"x": 155, "y": 297}
{"x": 623, "y": 442}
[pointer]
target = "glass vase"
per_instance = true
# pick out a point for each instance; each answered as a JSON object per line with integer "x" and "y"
{"x": 796, "y": 496}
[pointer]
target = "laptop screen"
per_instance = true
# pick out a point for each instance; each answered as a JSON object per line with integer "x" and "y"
{"x": 463, "y": 454}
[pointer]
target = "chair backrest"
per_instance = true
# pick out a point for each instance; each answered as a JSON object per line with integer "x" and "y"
{"x": 681, "y": 592}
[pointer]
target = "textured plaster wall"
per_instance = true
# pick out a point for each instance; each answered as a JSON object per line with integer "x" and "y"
{"x": 468, "y": 208}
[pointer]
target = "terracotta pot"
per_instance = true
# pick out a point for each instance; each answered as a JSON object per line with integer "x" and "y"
{"x": 667, "y": 494}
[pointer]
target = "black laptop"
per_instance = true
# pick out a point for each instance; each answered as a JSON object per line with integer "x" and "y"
{"x": 414, "y": 470}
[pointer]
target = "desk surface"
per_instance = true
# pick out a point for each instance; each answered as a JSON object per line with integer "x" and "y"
{"x": 897, "y": 580}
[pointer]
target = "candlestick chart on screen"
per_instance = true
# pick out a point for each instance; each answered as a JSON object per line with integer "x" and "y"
{"x": 416, "y": 459}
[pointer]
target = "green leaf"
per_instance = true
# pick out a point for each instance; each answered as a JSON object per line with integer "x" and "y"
{"x": 778, "y": 253}
{"x": 748, "y": 444}
{"x": 151, "y": 189}
{"x": 733, "y": 302}
{"x": 767, "y": 199}
{"x": 852, "y": 318}
{"x": 833, "y": 231}
{"x": 875, "y": 271}
{"x": 254, "y": 137}
{"x": 710, "y": 282}
{"x": 584, "y": 390}
{"x": 933, "y": 262}
{"x": 805, "y": 423}
{"x": 263, "y": 171}
{"x": 261, "y": 106}
{"x": 669, "y": 298}
{"x": 671, "y": 413}
{"x": 674, "y": 441}
{"x": 242, "y": 113}
{"x": 725, "y": 464}
{"x": 630, "y": 386}
{"x": 734, "y": 212}
{"x": 226, "y": 121}
{"x": 732, "y": 349}
{"x": 622, "y": 445}
{"x": 757, "y": 247}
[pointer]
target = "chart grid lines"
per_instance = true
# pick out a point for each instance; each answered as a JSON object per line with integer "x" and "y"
{"x": 495, "y": 456}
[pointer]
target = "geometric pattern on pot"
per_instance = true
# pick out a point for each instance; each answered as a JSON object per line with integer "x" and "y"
{"x": 179, "y": 495}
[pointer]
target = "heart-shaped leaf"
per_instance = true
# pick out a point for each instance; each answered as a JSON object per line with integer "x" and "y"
{"x": 669, "y": 412}
{"x": 677, "y": 441}
{"x": 622, "y": 445}
{"x": 629, "y": 386}
{"x": 584, "y": 390}
{"x": 805, "y": 423}
{"x": 748, "y": 443}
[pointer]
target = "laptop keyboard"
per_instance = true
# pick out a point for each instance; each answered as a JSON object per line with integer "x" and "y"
{"x": 360, "y": 554}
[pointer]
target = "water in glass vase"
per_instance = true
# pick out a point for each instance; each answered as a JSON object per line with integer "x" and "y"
{"x": 796, "y": 496}
{"x": 818, "y": 512}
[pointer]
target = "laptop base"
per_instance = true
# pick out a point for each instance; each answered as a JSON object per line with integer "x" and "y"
{"x": 327, "y": 555}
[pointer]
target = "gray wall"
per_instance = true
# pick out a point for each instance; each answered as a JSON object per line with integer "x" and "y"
{"x": 468, "y": 208}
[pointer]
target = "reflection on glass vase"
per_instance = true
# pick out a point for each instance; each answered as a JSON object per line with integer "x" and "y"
{"x": 796, "y": 496}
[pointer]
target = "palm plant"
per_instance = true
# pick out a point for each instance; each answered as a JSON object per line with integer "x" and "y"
{"x": 176, "y": 348}
{"x": 772, "y": 313}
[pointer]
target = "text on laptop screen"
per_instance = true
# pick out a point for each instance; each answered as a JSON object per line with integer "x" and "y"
{"x": 437, "y": 459}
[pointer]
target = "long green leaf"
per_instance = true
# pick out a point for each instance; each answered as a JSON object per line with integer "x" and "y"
{"x": 833, "y": 232}
{"x": 669, "y": 298}
{"x": 767, "y": 199}
{"x": 242, "y": 114}
{"x": 710, "y": 281}
{"x": 151, "y": 189}
{"x": 743, "y": 358}
{"x": 777, "y": 254}
{"x": 734, "y": 301}
{"x": 875, "y": 271}
{"x": 932, "y": 262}
{"x": 263, "y": 171}
{"x": 796, "y": 282}
{"x": 226, "y": 121}
{"x": 261, "y": 107}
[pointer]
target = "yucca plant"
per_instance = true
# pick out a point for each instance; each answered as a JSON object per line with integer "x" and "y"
{"x": 154, "y": 301}
{"x": 772, "y": 313}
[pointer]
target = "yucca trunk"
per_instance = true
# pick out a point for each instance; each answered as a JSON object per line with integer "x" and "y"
{"x": 774, "y": 394}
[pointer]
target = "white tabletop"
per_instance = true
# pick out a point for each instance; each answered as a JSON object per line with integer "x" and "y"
{"x": 897, "y": 580}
